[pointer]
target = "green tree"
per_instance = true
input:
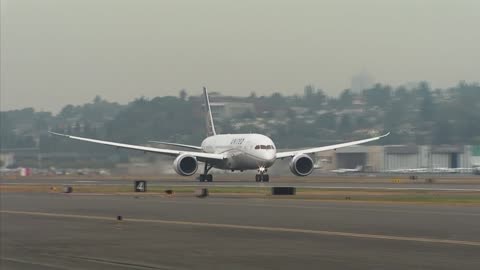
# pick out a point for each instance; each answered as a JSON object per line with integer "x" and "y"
{"x": 378, "y": 96}
{"x": 427, "y": 106}
{"x": 346, "y": 99}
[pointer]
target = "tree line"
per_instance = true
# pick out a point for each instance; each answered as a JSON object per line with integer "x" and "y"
{"x": 414, "y": 115}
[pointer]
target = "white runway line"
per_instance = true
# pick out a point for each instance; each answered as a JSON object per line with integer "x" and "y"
{"x": 254, "y": 228}
{"x": 97, "y": 183}
{"x": 85, "y": 181}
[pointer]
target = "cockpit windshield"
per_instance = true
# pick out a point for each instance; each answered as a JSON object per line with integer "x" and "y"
{"x": 266, "y": 147}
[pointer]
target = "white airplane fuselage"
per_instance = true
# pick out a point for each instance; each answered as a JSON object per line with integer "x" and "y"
{"x": 243, "y": 151}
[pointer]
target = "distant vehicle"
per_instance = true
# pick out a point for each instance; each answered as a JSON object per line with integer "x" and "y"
{"x": 359, "y": 168}
{"x": 231, "y": 152}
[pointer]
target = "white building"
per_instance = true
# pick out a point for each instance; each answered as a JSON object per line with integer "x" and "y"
{"x": 398, "y": 157}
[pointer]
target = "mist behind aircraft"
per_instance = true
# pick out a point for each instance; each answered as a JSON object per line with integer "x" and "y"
{"x": 56, "y": 52}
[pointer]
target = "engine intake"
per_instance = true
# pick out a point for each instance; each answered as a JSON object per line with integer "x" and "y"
{"x": 185, "y": 165}
{"x": 301, "y": 165}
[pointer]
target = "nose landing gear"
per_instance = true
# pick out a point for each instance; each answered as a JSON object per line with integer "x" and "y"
{"x": 262, "y": 176}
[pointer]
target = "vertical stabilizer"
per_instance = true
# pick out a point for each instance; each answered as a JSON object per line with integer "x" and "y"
{"x": 208, "y": 115}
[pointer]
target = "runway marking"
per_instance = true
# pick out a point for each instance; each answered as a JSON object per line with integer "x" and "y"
{"x": 126, "y": 264}
{"x": 254, "y": 228}
{"x": 323, "y": 187}
{"x": 85, "y": 181}
{"x": 34, "y": 263}
{"x": 259, "y": 186}
{"x": 89, "y": 259}
{"x": 264, "y": 202}
{"x": 253, "y": 204}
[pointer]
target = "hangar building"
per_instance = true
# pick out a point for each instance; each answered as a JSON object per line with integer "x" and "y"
{"x": 396, "y": 157}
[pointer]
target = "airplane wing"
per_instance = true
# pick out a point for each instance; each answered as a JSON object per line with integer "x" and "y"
{"x": 325, "y": 148}
{"x": 200, "y": 155}
{"x": 179, "y": 145}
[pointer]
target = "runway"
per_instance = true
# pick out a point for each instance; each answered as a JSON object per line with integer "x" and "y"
{"x": 403, "y": 184}
{"x": 62, "y": 231}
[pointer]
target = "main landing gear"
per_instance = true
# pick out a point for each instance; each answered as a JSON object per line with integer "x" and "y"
{"x": 262, "y": 176}
{"x": 205, "y": 176}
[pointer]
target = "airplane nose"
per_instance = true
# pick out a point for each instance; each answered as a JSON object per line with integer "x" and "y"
{"x": 270, "y": 155}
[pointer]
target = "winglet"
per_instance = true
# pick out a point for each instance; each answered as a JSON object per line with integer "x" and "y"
{"x": 327, "y": 147}
{"x": 59, "y": 134}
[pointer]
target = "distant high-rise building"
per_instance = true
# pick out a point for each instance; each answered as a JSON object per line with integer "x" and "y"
{"x": 361, "y": 81}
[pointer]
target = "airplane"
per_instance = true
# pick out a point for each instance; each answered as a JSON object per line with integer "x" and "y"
{"x": 476, "y": 170}
{"x": 8, "y": 170}
{"x": 451, "y": 170}
{"x": 409, "y": 170}
{"x": 9, "y": 167}
{"x": 439, "y": 170}
{"x": 20, "y": 170}
{"x": 356, "y": 169}
{"x": 235, "y": 152}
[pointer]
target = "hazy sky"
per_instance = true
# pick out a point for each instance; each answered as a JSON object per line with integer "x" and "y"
{"x": 55, "y": 52}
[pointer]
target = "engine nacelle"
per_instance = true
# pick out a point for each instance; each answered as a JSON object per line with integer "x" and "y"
{"x": 301, "y": 165}
{"x": 185, "y": 165}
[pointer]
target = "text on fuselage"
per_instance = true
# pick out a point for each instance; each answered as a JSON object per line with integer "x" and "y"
{"x": 237, "y": 141}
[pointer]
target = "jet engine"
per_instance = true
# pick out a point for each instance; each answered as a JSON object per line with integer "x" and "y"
{"x": 301, "y": 165}
{"x": 185, "y": 165}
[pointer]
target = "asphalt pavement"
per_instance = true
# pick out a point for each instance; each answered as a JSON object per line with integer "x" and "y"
{"x": 331, "y": 183}
{"x": 78, "y": 231}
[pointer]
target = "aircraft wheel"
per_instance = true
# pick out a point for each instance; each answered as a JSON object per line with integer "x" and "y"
{"x": 209, "y": 178}
{"x": 258, "y": 178}
{"x": 265, "y": 178}
{"x": 201, "y": 178}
